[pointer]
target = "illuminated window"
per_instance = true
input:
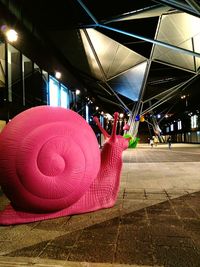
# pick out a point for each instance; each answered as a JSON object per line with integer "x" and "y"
{"x": 87, "y": 113}
{"x": 179, "y": 125}
{"x": 58, "y": 94}
{"x": 53, "y": 92}
{"x": 167, "y": 129}
{"x": 171, "y": 127}
{"x": 102, "y": 121}
{"x": 194, "y": 121}
{"x": 64, "y": 97}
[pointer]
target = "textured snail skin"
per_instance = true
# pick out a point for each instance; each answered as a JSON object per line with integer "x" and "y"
{"x": 51, "y": 166}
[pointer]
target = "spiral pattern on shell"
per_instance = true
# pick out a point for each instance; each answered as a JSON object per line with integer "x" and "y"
{"x": 49, "y": 156}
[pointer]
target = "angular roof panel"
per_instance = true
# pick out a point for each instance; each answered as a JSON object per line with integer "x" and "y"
{"x": 181, "y": 30}
{"x": 106, "y": 55}
{"x": 129, "y": 84}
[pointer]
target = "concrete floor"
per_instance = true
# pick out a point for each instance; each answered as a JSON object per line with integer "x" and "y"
{"x": 155, "y": 222}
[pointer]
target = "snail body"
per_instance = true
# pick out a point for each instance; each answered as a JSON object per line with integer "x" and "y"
{"x": 51, "y": 165}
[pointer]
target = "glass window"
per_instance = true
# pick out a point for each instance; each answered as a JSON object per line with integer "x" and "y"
{"x": 198, "y": 136}
{"x": 38, "y": 92}
{"x": 179, "y": 125}
{"x": 54, "y": 95}
{"x": 64, "y": 97}
{"x": 102, "y": 120}
{"x": 2, "y": 73}
{"x": 15, "y": 91}
{"x": 27, "y": 69}
{"x": 87, "y": 113}
{"x": 58, "y": 94}
{"x": 45, "y": 86}
{"x": 194, "y": 121}
{"x": 167, "y": 129}
{"x": 171, "y": 127}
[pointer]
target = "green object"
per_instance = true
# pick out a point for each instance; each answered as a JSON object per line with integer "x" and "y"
{"x": 133, "y": 141}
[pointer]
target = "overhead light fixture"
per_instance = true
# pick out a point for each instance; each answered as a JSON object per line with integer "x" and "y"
{"x": 78, "y": 92}
{"x": 58, "y": 75}
{"x": 11, "y": 35}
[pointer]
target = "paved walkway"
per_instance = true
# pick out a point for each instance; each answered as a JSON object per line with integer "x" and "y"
{"x": 155, "y": 222}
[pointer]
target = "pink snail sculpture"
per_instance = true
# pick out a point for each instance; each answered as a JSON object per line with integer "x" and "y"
{"x": 51, "y": 165}
{"x": 126, "y": 127}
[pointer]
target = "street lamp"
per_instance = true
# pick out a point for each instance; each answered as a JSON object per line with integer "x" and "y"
{"x": 186, "y": 99}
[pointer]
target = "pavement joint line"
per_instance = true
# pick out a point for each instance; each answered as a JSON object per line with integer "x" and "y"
{"x": 183, "y": 152}
{"x": 37, "y": 262}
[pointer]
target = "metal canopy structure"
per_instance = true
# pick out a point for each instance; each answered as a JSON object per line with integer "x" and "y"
{"x": 125, "y": 53}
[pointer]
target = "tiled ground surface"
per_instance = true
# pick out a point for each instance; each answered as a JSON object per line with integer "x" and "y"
{"x": 155, "y": 222}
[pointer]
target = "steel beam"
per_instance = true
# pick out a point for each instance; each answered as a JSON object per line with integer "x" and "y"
{"x": 132, "y": 13}
{"x": 181, "y": 50}
{"x": 194, "y": 5}
{"x": 179, "y": 6}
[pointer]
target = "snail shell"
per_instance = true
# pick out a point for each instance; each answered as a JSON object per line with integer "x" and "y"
{"x": 49, "y": 157}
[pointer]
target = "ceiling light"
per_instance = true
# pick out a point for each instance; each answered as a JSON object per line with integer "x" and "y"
{"x": 78, "y": 92}
{"x": 58, "y": 75}
{"x": 11, "y": 35}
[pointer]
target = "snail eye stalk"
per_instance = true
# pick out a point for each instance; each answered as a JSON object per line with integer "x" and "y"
{"x": 114, "y": 129}
{"x": 105, "y": 134}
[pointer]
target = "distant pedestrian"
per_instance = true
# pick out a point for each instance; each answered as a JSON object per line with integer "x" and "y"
{"x": 169, "y": 141}
{"x": 155, "y": 140}
{"x": 151, "y": 142}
